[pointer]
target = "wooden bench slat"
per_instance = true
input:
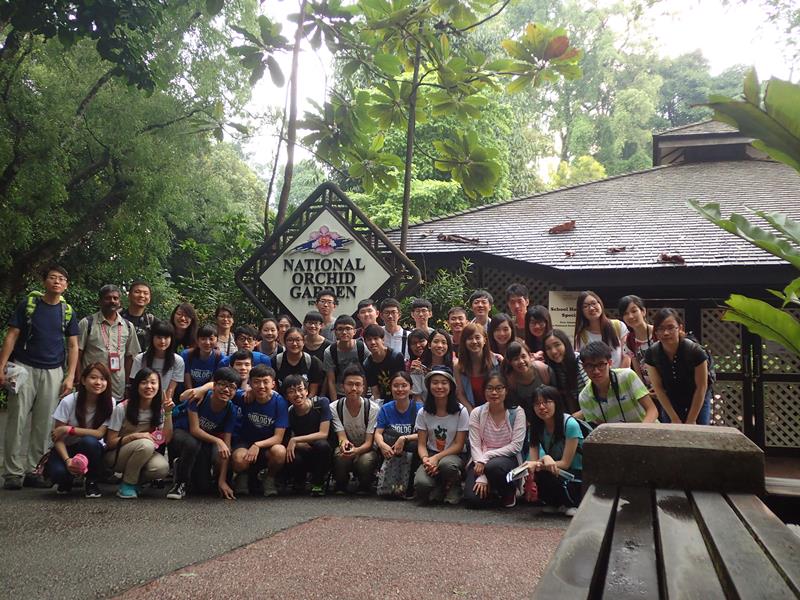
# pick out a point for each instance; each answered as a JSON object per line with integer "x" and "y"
{"x": 686, "y": 564}
{"x": 632, "y": 570}
{"x": 779, "y": 541}
{"x": 745, "y": 567}
{"x": 574, "y": 566}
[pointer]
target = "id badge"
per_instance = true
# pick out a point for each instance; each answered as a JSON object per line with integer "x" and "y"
{"x": 114, "y": 363}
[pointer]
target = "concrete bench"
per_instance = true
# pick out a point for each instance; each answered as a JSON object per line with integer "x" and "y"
{"x": 671, "y": 511}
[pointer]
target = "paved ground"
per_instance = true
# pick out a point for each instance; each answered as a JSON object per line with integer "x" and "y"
{"x": 57, "y": 547}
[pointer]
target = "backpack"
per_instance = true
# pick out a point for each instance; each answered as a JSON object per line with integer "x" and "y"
{"x": 361, "y": 351}
{"x": 90, "y": 322}
{"x": 33, "y": 300}
{"x": 586, "y": 429}
{"x": 306, "y": 358}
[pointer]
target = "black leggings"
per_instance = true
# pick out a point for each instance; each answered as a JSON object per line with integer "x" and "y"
{"x": 315, "y": 458}
{"x": 196, "y": 460}
{"x": 496, "y": 470}
{"x": 556, "y": 491}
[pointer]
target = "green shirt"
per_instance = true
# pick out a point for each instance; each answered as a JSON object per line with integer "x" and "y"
{"x": 622, "y": 408}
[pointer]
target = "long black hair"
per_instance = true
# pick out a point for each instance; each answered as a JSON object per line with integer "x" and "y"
{"x": 104, "y": 404}
{"x": 499, "y": 376}
{"x": 427, "y": 355}
{"x": 453, "y": 405}
{"x": 567, "y": 370}
{"x": 497, "y": 321}
{"x": 161, "y": 329}
{"x": 132, "y": 408}
{"x": 607, "y": 331}
{"x": 189, "y": 339}
{"x": 548, "y": 392}
{"x": 536, "y": 313}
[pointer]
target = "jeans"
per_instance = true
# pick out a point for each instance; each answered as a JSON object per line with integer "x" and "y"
{"x": 703, "y": 418}
{"x": 196, "y": 460}
{"x": 90, "y": 447}
{"x": 495, "y": 471}
{"x": 314, "y": 458}
{"x": 450, "y": 468}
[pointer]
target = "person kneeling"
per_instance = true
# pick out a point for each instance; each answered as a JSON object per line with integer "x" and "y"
{"x": 135, "y": 432}
{"x": 308, "y": 449}
{"x": 259, "y": 449}
{"x": 354, "y": 419}
{"x": 202, "y": 438}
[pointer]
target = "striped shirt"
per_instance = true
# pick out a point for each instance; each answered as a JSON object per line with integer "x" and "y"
{"x": 622, "y": 404}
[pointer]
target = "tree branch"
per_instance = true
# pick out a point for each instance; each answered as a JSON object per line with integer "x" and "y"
{"x": 105, "y": 78}
{"x": 165, "y": 124}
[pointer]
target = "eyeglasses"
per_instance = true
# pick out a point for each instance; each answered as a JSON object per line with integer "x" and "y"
{"x": 594, "y": 366}
{"x": 294, "y": 340}
{"x": 591, "y": 304}
{"x": 226, "y": 387}
{"x": 245, "y": 339}
{"x": 345, "y": 329}
{"x": 543, "y": 403}
{"x": 494, "y": 388}
{"x": 668, "y": 329}
{"x": 59, "y": 278}
{"x": 326, "y": 302}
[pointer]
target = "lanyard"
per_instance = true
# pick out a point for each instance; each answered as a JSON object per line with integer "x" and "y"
{"x": 107, "y": 337}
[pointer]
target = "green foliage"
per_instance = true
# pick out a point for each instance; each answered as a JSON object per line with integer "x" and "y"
{"x": 775, "y": 123}
{"x": 583, "y": 169}
{"x": 447, "y": 289}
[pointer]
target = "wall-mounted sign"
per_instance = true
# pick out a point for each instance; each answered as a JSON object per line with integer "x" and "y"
{"x": 327, "y": 242}
{"x": 562, "y": 311}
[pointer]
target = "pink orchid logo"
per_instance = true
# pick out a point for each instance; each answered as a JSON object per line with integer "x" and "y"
{"x": 324, "y": 241}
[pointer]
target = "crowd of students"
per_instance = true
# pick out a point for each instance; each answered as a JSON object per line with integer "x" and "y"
{"x": 490, "y": 409}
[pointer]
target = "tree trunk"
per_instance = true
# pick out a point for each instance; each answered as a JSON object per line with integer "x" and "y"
{"x": 291, "y": 133}
{"x": 412, "y": 123}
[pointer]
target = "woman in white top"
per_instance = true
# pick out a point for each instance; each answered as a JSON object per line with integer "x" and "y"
{"x": 161, "y": 358}
{"x": 592, "y": 325}
{"x": 80, "y": 422}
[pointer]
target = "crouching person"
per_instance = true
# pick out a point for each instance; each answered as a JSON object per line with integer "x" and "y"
{"x": 138, "y": 427}
{"x": 259, "y": 448}
{"x": 201, "y": 439}
{"x": 354, "y": 419}
{"x": 308, "y": 450}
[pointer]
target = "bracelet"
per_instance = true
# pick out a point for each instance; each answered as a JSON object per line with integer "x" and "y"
{"x": 71, "y": 430}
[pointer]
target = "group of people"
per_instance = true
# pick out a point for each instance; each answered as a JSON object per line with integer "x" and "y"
{"x": 491, "y": 408}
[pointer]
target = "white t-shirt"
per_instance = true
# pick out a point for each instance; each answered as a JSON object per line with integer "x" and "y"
{"x": 65, "y": 412}
{"x": 442, "y": 430}
{"x": 174, "y": 374}
{"x": 354, "y": 426}
{"x": 118, "y": 416}
{"x": 616, "y": 353}
{"x": 396, "y": 341}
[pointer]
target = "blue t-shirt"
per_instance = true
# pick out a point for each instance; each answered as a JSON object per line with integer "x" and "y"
{"x": 259, "y": 421}
{"x": 556, "y": 451}
{"x": 215, "y": 423}
{"x": 200, "y": 370}
{"x": 43, "y": 346}
{"x": 258, "y": 359}
{"x": 402, "y": 423}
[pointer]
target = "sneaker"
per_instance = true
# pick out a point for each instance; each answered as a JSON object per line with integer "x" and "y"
{"x": 177, "y": 492}
{"x": 63, "y": 489}
{"x": 436, "y": 494}
{"x": 241, "y": 484}
{"x": 126, "y": 491}
{"x": 270, "y": 488}
{"x": 92, "y": 490}
{"x": 509, "y": 500}
{"x": 13, "y": 482}
{"x": 571, "y": 512}
{"x": 454, "y": 494}
{"x": 340, "y": 489}
{"x": 318, "y": 490}
{"x": 35, "y": 481}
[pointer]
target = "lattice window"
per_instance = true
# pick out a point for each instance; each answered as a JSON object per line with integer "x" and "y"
{"x": 496, "y": 282}
{"x": 782, "y": 414}
{"x": 723, "y": 340}
{"x": 726, "y": 405}
{"x": 776, "y": 359}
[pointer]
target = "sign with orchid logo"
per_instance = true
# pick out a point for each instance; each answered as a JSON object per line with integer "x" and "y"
{"x": 327, "y": 243}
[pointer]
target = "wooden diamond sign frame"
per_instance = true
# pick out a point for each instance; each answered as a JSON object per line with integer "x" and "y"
{"x": 345, "y": 233}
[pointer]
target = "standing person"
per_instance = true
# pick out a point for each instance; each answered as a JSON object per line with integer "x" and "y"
{"x": 395, "y": 337}
{"x": 139, "y": 298}
{"x": 326, "y": 305}
{"x": 496, "y": 436}
{"x": 245, "y": 336}
{"x": 295, "y": 361}
{"x": 517, "y": 301}
{"x": 569, "y": 376}
{"x": 201, "y": 439}
{"x": 137, "y": 428}
{"x": 612, "y": 395}
{"x": 37, "y": 332}
{"x": 201, "y": 361}
{"x": 641, "y": 335}
{"x": 592, "y": 325}
{"x": 481, "y": 303}
{"x": 354, "y": 420}
{"x": 107, "y": 338}
{"x": 678, "y": 370}
{"x": 284, "y": 323}
{"x": 184, "y": 320}
{"x": 161, "y": 359}
{"x": 524, "y": 375}
{"x": 475, "y": 361}
{"x": 456, "y": 321}
{"x": 308, "y": 450}
{"x": 367, "y": 313}
{"x": 381, "y": 363}
{"x": 343, "y": 353}
{"x": 501, "y": 333}
{"x": 442, "y": 427}
{"x": 396, "y": 437}
{"x": 79, "y": 423}
{"x": 537, "y": 323}
{"x": 313, "y": 342}
{"x": 269, "y": 346}
{"x": 259, "y": 448}
{"x": 556, "y": 440}
{"x": 225, "y": 317}
{"x": 415, "y": 365}
{"x": 422, "y": 312}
